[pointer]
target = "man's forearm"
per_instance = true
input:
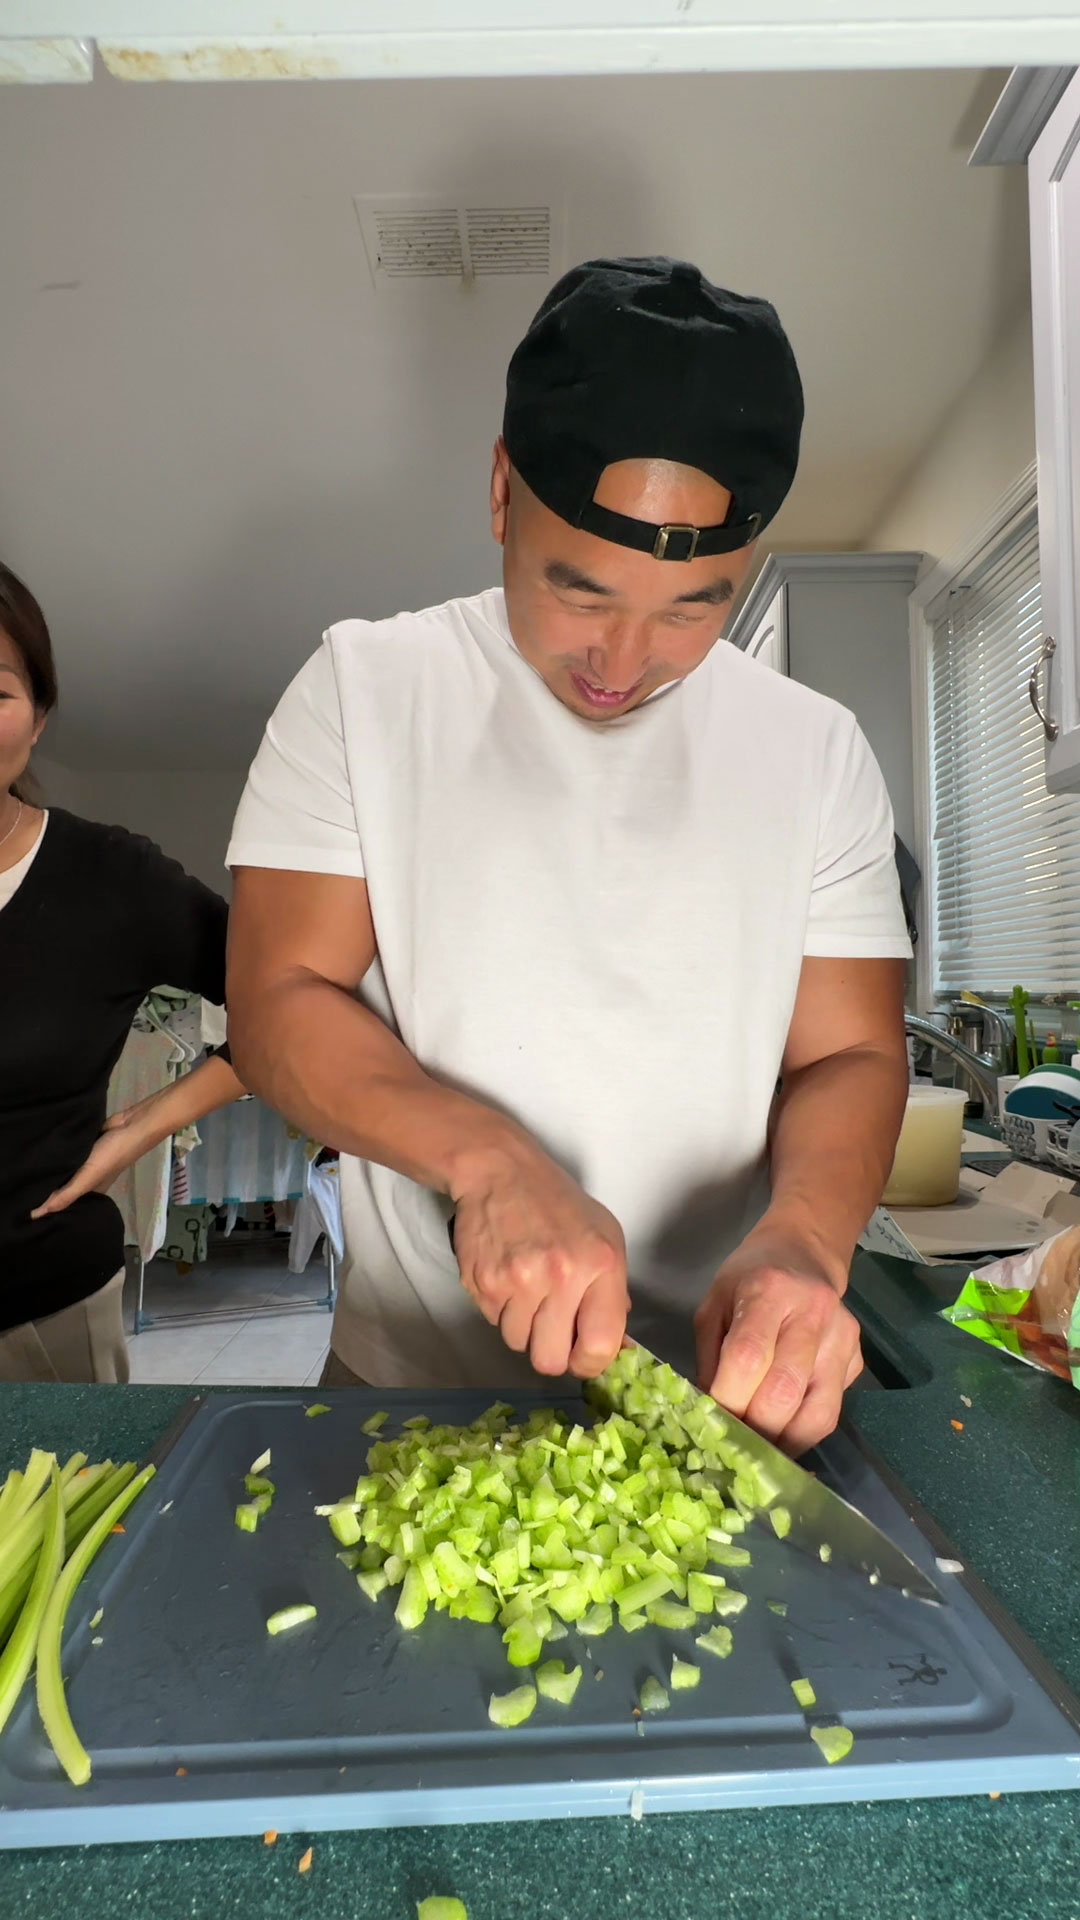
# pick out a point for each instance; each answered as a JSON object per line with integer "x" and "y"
{"x": 832, "y": 1146}
{"x": 313, "y": 1052}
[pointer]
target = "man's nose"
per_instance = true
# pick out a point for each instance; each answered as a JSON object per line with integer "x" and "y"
{"x": 620, "y": 663}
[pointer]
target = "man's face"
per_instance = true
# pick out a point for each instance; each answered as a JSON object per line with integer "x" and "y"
{"x": 605, "y": 626}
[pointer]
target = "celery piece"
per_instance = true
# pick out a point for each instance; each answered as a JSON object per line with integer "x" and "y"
{"x": 553, "y": 1682}
{"x": 10, "y": 1495}
{"x": 729, "y": 1603}
{"x": 511, "y": 1709}
{"x": 287, "y": 1617}
{"x": 699, "y": 1594}
{"x": 18, "y": 1656}
{"x": 247, "y": 1517}
{"x": 654, "y": 1697}
{"x": 438, "y": 1907}
{"x": 34, "y": 1481}
{"x": 260, "y": 1465}
{"x": 718, "y": 1640}
{"x": 263, "y": 1502}
{"x": 97, "y": 1618}
{"x": 804, "y": 1693}
{"x": 632, "y": 1622}
{"x": 558, "y": 1630}
{"x": 684, "y": 1675}
{"x": 411, "y": 1609}
{"x": 730, "y": 1556}
{"x": 51, "y": 1699}
{"x": 523, "y": 1643}
{"x": 345, "y": 1527}
{"x": 835, "y": 1742}
{"x": 317, "y": 1407}
{"x": 640, "y": 1594}
{"x": 780, "y": 1522}
{"x": 375, "y": 1423}
{"x": 671, "y": 1616}
{"x": 777, "y": 1606}
{"x": 372, "y": 1583}
{"x": 596, "y": 1621}
{"x": 418, "y": 1424}
{"x": 258, "y": 1483}
{"x": 480, "y": 1605}
{"x": 825, "y": 1552}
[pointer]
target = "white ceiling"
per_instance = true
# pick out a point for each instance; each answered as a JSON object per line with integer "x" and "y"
{"x": 216, "y": 438}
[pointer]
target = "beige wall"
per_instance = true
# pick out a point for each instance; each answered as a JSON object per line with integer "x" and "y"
{"x": 983, "y": 444}
{"x": 189, "y": 815}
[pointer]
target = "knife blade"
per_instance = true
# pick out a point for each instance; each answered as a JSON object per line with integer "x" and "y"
{"x": 819, "y": 1517}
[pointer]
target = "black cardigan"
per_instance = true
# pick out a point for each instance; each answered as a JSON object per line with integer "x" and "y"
{"x": 101, "y": 917}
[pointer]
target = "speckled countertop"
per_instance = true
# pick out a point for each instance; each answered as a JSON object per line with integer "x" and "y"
{"x": 1007, "y": 1490}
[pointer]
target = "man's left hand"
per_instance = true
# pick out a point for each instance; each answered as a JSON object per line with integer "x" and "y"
{"x": 776, "y": 1345}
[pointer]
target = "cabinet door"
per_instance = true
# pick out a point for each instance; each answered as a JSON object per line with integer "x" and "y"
{"x": 768, "y": 642}
{"x": 1054, "y": 197}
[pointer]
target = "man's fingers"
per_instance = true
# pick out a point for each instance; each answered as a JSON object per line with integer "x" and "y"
{"x": 839, "y": 1362}
{"x": 515, "y": 1322}
{"x": 777, "y": 1401}
{"x": 601, "y": 1328}
{"x": 746, "y": 1353}
{"x": 553, "y": 1333}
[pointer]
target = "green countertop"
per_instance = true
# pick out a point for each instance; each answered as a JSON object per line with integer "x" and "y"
{"x": 1005, "y": 1489}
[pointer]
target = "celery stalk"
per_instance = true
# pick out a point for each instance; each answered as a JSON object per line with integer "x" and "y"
{"x": 18, "y": 1655}
{"x": 51, "y": 1698}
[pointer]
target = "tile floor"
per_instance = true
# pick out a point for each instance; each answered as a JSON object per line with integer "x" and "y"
{"x": 265, "y": 1341}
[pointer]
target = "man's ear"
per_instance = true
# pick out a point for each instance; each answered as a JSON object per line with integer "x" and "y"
{"x": 500, "y": 490}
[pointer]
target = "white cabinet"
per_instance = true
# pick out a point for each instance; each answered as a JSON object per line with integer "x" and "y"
{"x": 839, "y": 623}
{"x": 1054, "y": 201}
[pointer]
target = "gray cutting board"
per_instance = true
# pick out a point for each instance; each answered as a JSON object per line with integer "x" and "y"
{"x": 349, "y": 1722}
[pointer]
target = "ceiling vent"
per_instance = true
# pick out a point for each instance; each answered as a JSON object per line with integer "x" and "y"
{"x": 414, "y": 239}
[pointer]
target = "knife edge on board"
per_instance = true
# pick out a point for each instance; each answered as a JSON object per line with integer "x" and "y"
{"x": 649, "y": 1391}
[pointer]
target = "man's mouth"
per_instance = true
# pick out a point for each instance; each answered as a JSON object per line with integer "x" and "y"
{"x": 603, "y": 697}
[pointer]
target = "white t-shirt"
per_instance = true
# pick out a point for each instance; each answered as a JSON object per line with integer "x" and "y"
{"x": 595, "y": 927}
{"x": 12, "y": 880}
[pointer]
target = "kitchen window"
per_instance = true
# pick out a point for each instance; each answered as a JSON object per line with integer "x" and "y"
{"x": 1002, "y": 889}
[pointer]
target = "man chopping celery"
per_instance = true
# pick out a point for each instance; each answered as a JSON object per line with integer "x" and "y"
{"x": 576, "y": 931}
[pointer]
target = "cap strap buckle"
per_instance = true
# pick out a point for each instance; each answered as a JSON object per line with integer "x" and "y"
{"x": 663, "y": 535}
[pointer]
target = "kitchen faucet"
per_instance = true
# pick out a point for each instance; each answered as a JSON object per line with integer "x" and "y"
{"x": 983, "y": 1067}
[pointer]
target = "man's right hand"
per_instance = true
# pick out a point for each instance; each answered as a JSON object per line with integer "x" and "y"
{"x": 545, "y": 1263}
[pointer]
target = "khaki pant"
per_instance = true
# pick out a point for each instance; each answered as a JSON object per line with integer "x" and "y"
{"x": 337, "y": 1374}
{"x": 83, "y": 1342}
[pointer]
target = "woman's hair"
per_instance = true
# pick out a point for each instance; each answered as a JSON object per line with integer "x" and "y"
{"x": 24, "y": 623}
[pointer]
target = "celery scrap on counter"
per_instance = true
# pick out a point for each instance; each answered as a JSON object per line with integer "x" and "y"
{"x": 438, "y": 1907}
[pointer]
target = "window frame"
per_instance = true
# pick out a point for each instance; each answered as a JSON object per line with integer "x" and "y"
{"x": 1004, "y": 519}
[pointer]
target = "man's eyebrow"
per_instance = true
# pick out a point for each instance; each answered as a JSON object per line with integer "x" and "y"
{"x": 717, "y": 594}
{"x": 559, "y": 573}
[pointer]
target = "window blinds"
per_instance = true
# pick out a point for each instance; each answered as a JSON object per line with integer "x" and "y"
{"x": 1005, "y": 868}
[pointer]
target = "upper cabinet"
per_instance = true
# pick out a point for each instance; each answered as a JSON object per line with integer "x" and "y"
{"x": 1054, "y": 194}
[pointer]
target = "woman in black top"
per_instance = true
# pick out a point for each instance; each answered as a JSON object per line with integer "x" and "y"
{"x": 91, "y": 918}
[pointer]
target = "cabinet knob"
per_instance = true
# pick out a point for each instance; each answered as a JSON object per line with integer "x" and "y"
{"x": 1046, "y": 652}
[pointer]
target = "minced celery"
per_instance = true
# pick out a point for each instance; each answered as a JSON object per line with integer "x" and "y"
{"x": 287, "y": 1617}
{"x": 684, "y": 1675}
{"x": 804, "y": 1693}
{"x": 553, "y": 1681}
{"x": 654, "y": 1697}
{"x": 511, "y": 1709}
{"x": 835, "y": 1742}
{"x": 438, "y": 1907}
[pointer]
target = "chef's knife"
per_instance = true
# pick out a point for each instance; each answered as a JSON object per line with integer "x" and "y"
{"x": 819, "y": 1517}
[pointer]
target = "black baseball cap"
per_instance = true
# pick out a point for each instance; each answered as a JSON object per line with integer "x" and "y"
{"x": 646, "y": 359}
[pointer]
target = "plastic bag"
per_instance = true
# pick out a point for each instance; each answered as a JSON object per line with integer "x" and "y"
{"x": 1029, "y": 1306}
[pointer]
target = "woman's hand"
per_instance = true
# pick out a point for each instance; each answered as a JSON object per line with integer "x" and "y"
{"x": 126, "y": 1138}
{"x": 131, "y": 1133}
